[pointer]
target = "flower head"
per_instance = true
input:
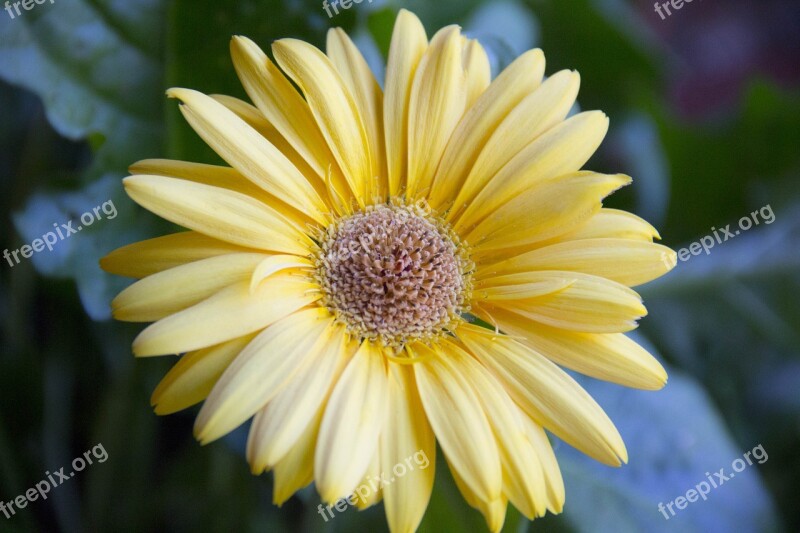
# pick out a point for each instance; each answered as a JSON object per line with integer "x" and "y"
{"x": 379, "y": 270}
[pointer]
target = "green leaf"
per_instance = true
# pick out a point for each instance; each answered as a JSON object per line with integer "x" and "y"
{"x": 96, "y": 66}
{"x": 731, "y": 318}
{"x": 614, "y": 66}
{"x": 675, "y": 439}
{"x": 724, "y": 163}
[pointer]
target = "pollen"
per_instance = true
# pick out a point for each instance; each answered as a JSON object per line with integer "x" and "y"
{"x": 393, "y": 274}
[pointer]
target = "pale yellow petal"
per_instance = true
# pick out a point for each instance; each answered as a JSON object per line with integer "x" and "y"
{"x": 277, "y": 263}
{"x": 476, "y": 68}
{"x": 459, "y": 423}
{"x": 261, "y": 370}
{"x": 214, "y": 175}
{"x": 518, "y": 291}
{"x": 538, "y": 112}
{"x": 614, "y": 224}
{"x": 173, "y": 290}
{"x": 438, "y": 100}
{"x": 278, "y": 426}
{"x": 232, "y": 312}
{"x": 605, "y": 224}
{"x": 351, "y": 425}
{"x": 545, "y": 210}
{"x": 523, "y": 478}
{"x": 476, "y": 126}
{"x": 218, "y": 176}
{"x": 562, "y": 149}
{"x": 218, "y": 213}
{"x": 280, "y": 103}
{"x": 493, "y": 511}
{"x": 249, "y": 152}
{"x": 547, "y": 394}
{"x": 256, "y": 119}
{"x": 408, "y": 435}
{"x": 333, "y": 107}
{"x": 408, "y": 45}
{"x": 194, "y": 375}
{"x": 368, "y": 98}
{"x": 296, "y": 470}
{"x": 141, "y": 259}
{"x": 544, "y": 451}
{"x": 588, "y": 303}
{"x": 369, "y": 491}
{"x": 611, "y": 357}
{"x": 622, "y": 260}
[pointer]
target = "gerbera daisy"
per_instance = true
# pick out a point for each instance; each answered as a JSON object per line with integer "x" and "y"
{"x": 379, "y": 270}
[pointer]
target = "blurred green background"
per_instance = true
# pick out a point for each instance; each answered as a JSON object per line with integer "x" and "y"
{"x": 705, "y": 115}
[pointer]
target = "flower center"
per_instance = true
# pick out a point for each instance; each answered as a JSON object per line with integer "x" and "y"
{"x": 393, "y": 274}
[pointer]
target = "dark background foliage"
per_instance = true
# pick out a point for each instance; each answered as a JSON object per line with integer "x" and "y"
{"x": 705, "y": 115}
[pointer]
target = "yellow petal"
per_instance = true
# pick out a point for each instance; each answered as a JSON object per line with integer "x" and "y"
{"x": 214, "y": 175}
{"x": 256, "y": 119}
{"x": 368, "y": 98}
{"x": 351, "y": 425}
{"x": 614, "y": 224}
{"x": 536, "y": 113}
{"x": 494, "y": 511}
{"x": 278, "y": 426}
{"x": 473, "y": 131}
{"x": 611, "y": 357}
{"x": 521, "y": 291}
{"x": 622, "y": 260}
{"x": 408, "y": 45}
{"x": 218, "y": 213}
{"x": 232, "y": 312}
{"x": 545, "y": 210}
{"x": 194, "y": 375}
{"x": 561, "y": 150}
{"x": 333, "y": 107}
{"x": 588, "y": 303}
{"x": 523, "y": 478}
{"x": 408, "y": 435}
{"x": 547, "y": 394}
{"x": 175, "y": 289}
{"x": 459, "y": 423}
{"x": 141, "y": 259}
{"x": 476, "y": 68}
{"x": 280, "y": 103}
{"x": 296, "y": 470}
{"x": 438, "y": 99}
{"x": 554, "y": 483}
{"x": 260, "y": 370}
{"x": 369, "y": 491}
{"x": 249, "y": 152}
{"x": 276, "y": 263}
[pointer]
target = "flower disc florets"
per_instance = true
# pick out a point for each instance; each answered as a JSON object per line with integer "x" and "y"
{"x": 393, "y": 273}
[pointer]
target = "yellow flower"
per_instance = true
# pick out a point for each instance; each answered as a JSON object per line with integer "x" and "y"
{"x": 331, "y": 277}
